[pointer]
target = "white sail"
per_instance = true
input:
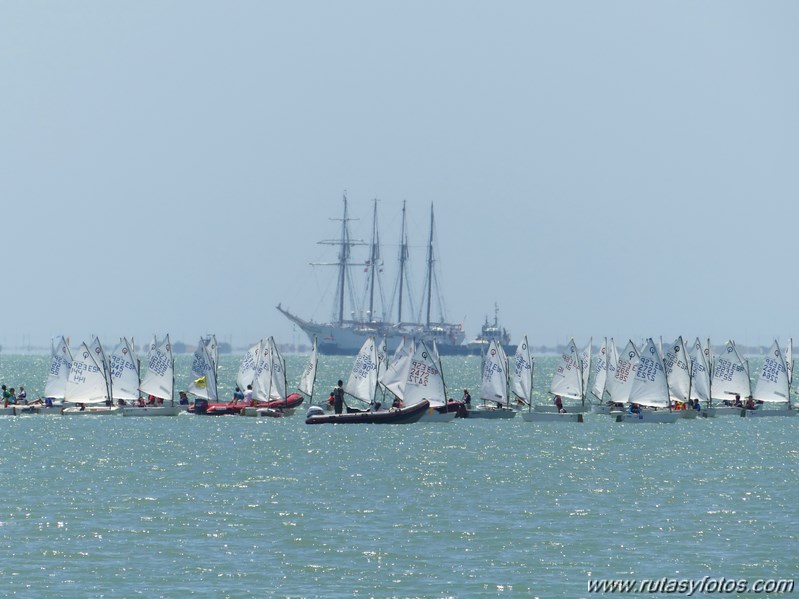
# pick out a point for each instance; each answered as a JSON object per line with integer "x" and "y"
{"x": 396, "y": 375}
{"x": 613, "y": 361}
{"x": 87, "y": 379}
{"x": 99, "y": 353}
{"x": 730, "y": 375}
{"x": 278, "y": 367}
{"x": 522, "y": 377}
{"x": 494, "y": 385}
{"x": 678, "y": 372}
{"x": 502, "y": 356}
{"x": 773, "y": 385}
{"x": 203, "y": 373}
{"x": 700, "y": 373}
{"x": 567, "y": 380}
{"x": 249, "y": 363}
{"x": 600, "y": 371}
{"x": 213, "y": 350}
{"x": 159, "y": 379}
{"x": 400, "y": 350}
{"x": 650, "y": 387}
{"x": 124, "y": 372}
{"x": 425, "y": 379}
{"x": 60, "y": 364}
{"x": 585, "y": 365}
{"x": 262, "y": 377}
{"x": 362, "y": 382}
{"x": 269, "y": 382}
{"x": 620, "y": 384}
{"x": 382, "y": 357}
{"x": 308, "y": 377}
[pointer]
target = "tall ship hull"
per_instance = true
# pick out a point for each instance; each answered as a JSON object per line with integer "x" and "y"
{"x": 345, "y": 337}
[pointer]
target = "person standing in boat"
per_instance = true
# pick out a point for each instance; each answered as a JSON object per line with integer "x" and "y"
{"x": 467, "y": 399}
{"x": 559, "y": 404}
{"x": 22, "y": 396}
{"x": 248, "y": 396}
{"x": 338, "y": 397}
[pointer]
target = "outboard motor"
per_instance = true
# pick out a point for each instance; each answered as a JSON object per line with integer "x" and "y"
{"x": 200, "y": 406}
{"x": 314, "y": 411}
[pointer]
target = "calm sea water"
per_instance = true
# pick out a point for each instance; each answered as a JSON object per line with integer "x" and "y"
{"x": 244, "y": 507}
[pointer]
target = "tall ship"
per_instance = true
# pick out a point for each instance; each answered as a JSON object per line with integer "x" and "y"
{"x": 346, "y": 332}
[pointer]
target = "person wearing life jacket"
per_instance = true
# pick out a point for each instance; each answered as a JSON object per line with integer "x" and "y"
{"x": 338, "y": 397}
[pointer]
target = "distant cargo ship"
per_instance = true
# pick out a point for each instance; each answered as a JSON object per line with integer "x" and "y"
{"x": 346, "y": 336}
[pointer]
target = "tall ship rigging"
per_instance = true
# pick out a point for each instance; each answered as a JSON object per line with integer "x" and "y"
{"x": 346, "y": 335}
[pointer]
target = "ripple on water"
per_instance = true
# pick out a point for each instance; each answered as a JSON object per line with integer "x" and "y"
{"x": 252, "y": 507}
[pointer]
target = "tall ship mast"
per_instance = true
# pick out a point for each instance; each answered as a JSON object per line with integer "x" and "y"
{"x": 346, "y": 335}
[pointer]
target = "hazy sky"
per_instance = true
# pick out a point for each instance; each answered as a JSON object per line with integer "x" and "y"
{"x": 598, "y": 168}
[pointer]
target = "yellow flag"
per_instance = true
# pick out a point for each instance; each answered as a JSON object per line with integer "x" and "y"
{"x": 200, "y": 383}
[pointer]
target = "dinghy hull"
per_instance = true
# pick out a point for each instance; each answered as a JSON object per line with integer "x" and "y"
{"x": 552, "y": 417}
{"x": 646, "y": 417}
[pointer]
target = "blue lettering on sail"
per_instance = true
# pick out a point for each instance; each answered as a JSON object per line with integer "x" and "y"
{"x": 647, "y": 369}
{"x": 79, "y": 370}
{"x": 771, "y": 370}
{"x": 363, "y": 366}
{"x": 491, "y": 369}
{"x": 158, "y": 363}
{"x": 420, "y": 372}
{"x": 725, "y": 370}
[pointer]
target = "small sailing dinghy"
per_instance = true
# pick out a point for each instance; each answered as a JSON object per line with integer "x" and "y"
{"x": 158, "y": 381}
{"x": 649, "y": 391}
{"x": 700, "y": 380}
{"x": 729, "y": 379}
{"x": 89, "y": 385}
{"x": 269, "y": 386}
{"x": 522, "y": 387}
{"x": 425, "y": 380}
{"x": 308, "y": 376}
{"x": 203, "y": 384}
{"x": 583, "y": 364}
{"x": 567, "y": 381}
{"x": 494, "y": 385}
{"x": 623, "y": 374}
{"x": 415, "y": 374}
{"x": 678, "y": 374}
{"x": 56, "y": 384}
{"x": 604, "y": 370}
{"x": 773, "y": 387}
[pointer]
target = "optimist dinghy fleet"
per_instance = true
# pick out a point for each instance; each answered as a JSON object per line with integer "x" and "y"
{"x": 650, "y": 383}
